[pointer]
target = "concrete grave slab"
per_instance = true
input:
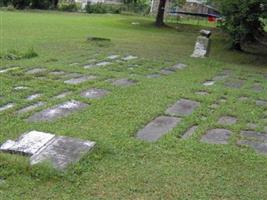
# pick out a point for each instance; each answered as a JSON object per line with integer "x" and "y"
{"x": 63, "y": 95}
{"x": 21, "y": 88}
{"x": 182, "y": 108}
{"x": 235, "y": 84}
{"x": 57, "y": 111}
{"x": 123, "y": 82}
{"x": 189, "y": 132}
{"x": 79, "y": 80}
{"x": 31, "y": 107}
{"x": 102, "y": 64}
{"x": 227, "y": 120}
{"x": 36, "y": 71}
{"x": 130, "y": 57}
{"x": 33, "y": 97}
{"x": 259, "y": 147}
{"x": 113, "y": 57}
{"x": 262, "y": 103}
{"x": 254, "y": 136}
{"x": 28, "y": 144}
{"x": 209, "y": 83}
{"x": 62, "y": 152}
{"x": 153, "y": 75}
{"x": 216, "y": 136}
{"x": 94, "y": 93}
{"x": 158, "y": 128}
{"x": 6, "y": 107}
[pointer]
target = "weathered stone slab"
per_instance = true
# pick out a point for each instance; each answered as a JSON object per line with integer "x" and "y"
{"x": 89, "y": 66}
{"x": 102, "y": 64}
{"x": 62, "y": 152}
{"x": 57, "y": 73}
{"x": 209, "y": 83}
{"x": 123, "y": 82}
{"x": 63, "y": 95}
{"x": 8, "y": 69}
{"x": 21, "y": 88}
{"x": 72, "y": 75}
{"x": 259, "y": 147}
{"x": 6, "y": 107}
{"x": 57, "y": 111}
{"x": 217, "y": 136}
{"x": 113, "y": 57}
{"x": 36, "y": 71}
{"x": 158, "y": 128}
{"x": 31, "y": 107}
{"x": 28, "y": 143}
{"x": 189, "y": 132}
{"x": 94, "y": 93}
{"x": 178, "y": 66}
{"x": 166, "y": 71}
{"x": 182, "y": 108}
{"x": 202, "y": 93}
{"x": 257, "y": 87}
{"x": 261, "y": 103}
{"x": 130, "y": 57}
{"x": 236, "y": 84}
{"x": 252, "y": 126}
{"x": 253, "y": 135}
{"x": 227, "y": 120}
{"x": 220, "y": 77}
{"x": 33, "y": 97}
{"x": 201, "y": 47}
{"x": 153, "y": 75}
{"x": 79, "y": 80}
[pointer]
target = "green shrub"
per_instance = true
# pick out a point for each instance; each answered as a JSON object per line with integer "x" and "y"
{"x": 101, "y": 8}
{"x": 69, "y": 7}
{"x": 16, "y": 55}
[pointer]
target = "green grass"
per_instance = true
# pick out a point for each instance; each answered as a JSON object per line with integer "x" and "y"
{"x": 122, "y": 167}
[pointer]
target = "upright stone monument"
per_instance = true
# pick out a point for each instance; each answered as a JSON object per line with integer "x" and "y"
{"x": 202, "y": 45}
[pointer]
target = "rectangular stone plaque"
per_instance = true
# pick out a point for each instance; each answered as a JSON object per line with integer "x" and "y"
{"x": 182, "y": 108}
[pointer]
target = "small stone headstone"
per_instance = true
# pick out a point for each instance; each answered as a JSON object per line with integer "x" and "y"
{"x": 216, "y": 136}
{"x": 157, "y": 128}
{"x": 202, "y": 47}
{"x": 36, "y": 71}
{"x": 79, "y": 80}
{"x": 261, "y": 103}
{"x": 227, "y": 120}
{"x": 189, "y": 132}
{"x": 57, "y": 111}
{"x": 31, "y": 107}
{"x": 94, "y": 93}
{"x": 130, "y": 57}
{"x": 33, "y": 97}
{"x": 209, "y": 83}
{"x": 6, "y": 107}
{"x": 123, "y": 82}
{"x": 182, "y": 108}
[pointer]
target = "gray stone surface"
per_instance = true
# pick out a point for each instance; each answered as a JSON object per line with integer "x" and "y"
{"x": 21, "y": 88}
{"x": 113, "y": 57}
{"x": 236, "y": 84}
{"x": 30, "y": 108}
{"x": 157, "y": 128}
{"x": 72, "y": 75}
{"x": 261, "y": 103}
{"x": 63, "y": 94}
{"x": 252, "y": 126}
{"x": 57, "y": 111}
{"x": 216, "y": 136}
{"x": 257, "y": 87}
{"x": 227, "y": 120}
{"x": 36, "y": 71}
{"x": 8, "y": 69}
{"x": 202, "y": 93}
{"x": 220, "y": 77}
{"x": 259, "y": 147}
{"x": 201, "y": 47}
{"x": 123, "y": 82}
{"x": 178, "y": 66}
{"x": 166, "y": 71}
{"x": 79, "y": 80}
{"x": 28, "y": 144}
{"x": 130, "y": 57}
{"x": 33, "y": 97}
{"x": 102, "y": 64}
{"x": 189, "y": 132}
{"x": 153, "y": 75}
{"x": 182, "y": 108}
{"x": 57, "y": 73}
{"x": 6, "y": 107}
{"x": 205, "y": 33}
{"x": 94, "y": 93}
{"x": 209, "y": 83}
{"x": 254, "y": 136}
{"x": 62, "y": 152}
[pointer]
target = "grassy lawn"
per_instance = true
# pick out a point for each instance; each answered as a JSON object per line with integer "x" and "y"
{"x": 121, "y": 166}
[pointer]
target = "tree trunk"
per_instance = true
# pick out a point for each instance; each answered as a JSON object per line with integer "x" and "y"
{"x": 160, "y": 15}
{"x": 237, "y": 46}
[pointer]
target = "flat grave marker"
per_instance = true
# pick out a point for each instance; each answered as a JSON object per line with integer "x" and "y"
{"x": 189, "y": 132}
{"x": 30, "y": 107}
{"x": 216, "y": 136}
{"x": 6, "y": 107}
{"x": 36, "y": 71}
{"x": 158, "y": 128}
{"x": 94, "y": 93}
{"x": 123, "y": 82}
{"x": 182, "y": 108}
{"x": 79, "y": 80}
{"x": 227, "y": 120}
